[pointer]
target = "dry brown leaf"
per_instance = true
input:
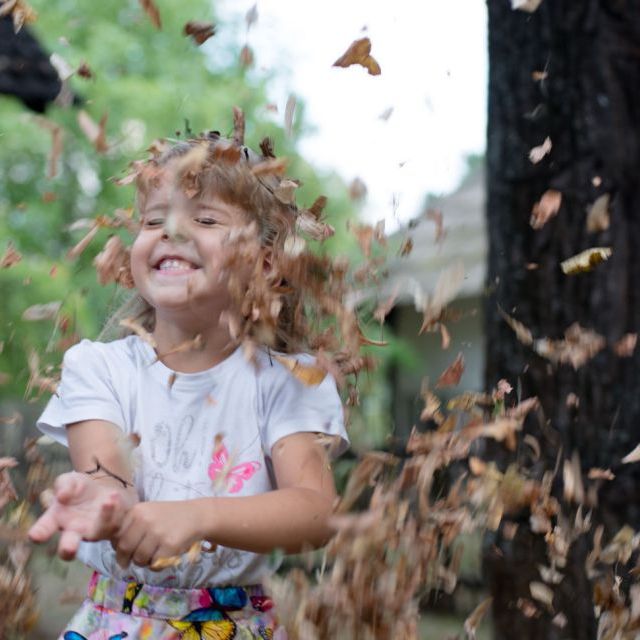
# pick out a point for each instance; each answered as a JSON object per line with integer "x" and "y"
{"x": 598, "y": 214}
{"x": 286, "y": 191}
{"x": 47, "y": 311}
{"x": 84, "y": 71}
{"x": 359, "y": 52}
{"x": 386, "y": 114}
{"x": 600, "y": 474}
{"x": 537, "y": 153}
{"x": 152, "y": 11}
{"x": 523, "y": 334}
{"x": 95, "y": 133}
{"x": 450, "y": 377}
{"x": 10, "y": 257}
{"x": 251, "y": 16}
{"x": 473, "y": 621}
{"x": 542, "y": 593}
{"x": 577, "y": 348}
{"x": 436, "y": 216}
{"x": 75, "y": 251}
{"x": 289, "y": 113}
{"x": 586, "y": 260}
{"x": 246, "y": 56}
{"x": 199, "y": 31}
{"x": 525, "y": 5}
{"x": 113, "y": 264}
{"x": 140, "y": 331}
{"x": 357, "y": 189}
{"x": 271, "y": 167}
{"x": 21, "y": 13}
{"x": 309, "y": 375}
{"x": 546, "y": 209}
{"x": 633, "y": 456}
{"x": 625, "y": 347}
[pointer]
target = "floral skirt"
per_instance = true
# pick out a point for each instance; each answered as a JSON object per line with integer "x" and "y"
{"x": 116, "y": 609}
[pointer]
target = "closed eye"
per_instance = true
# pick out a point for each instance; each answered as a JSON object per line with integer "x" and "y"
{"x": 207, "y": 221}
{"x": 153, "y": 221}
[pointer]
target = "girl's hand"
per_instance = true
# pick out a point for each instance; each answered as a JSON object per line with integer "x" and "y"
{"x": 154, "y": 530}
{"x": 83, "y": 508}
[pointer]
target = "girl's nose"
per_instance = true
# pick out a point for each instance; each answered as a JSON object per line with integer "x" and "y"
{"x": 172, "y": 230}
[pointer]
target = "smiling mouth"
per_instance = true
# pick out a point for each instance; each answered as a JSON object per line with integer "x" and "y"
{"x": 175, "y": 265}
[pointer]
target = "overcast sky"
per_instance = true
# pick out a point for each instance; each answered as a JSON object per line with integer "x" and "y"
{"x": 434, "y": 74}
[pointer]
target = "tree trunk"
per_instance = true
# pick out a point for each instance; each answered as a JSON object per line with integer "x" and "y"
{"x": 588, "y": 104}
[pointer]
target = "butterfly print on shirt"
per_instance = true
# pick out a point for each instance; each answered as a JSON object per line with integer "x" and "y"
{"x": 232, "y": 477}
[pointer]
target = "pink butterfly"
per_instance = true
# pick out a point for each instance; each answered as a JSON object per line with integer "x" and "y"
{"x": 220, "y": 470}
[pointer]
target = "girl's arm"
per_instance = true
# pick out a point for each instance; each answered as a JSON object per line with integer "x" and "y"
{"x": 294, "y": 517}
{"x": 89, "y": 506}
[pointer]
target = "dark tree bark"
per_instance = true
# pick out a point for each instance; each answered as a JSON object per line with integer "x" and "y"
{"x": 589, "y": 106}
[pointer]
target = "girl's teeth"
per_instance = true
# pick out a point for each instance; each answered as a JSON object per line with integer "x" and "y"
{"x": 166, "y": 265}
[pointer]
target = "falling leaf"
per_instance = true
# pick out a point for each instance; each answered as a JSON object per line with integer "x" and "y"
{"x": 64, "y": 69}
{"x": 586, "y": 260}
{"x": 450, "y": 377}
{"x": 546, "y": 209}
{"x": 537, "y": 153}
{"x": 598, "y": 214}
{"x": 271, "y": 167}
{"x": 523, "y": 334}
{"x": 84, "y": 71}
{"x": 140, "y": 331}
{"x": 309, "y": 375}
{"x": 75, "y": 251}
{"x": 357, "y": 189}
{"x": 538, "y": 76}
{"x": 113, "y": 264}
{"x": 150, "y": 8}
{"x": 445, "y": 337}
{"x": 246, "y": 56}
{"x": 289, "y": 112}
{"x": 436, "y": 216}
{"x": 473, "y": 621}
{"x": 560, "y": 620}
{"x": 199, "y": 31}
{"x": 600, "y": 474}
{"x": 20, "y": 12}
{"x": 48, "y": 311}
{"x": 359, "y": 52}
{"x": 526, "y": 5}
{"x": 10, "y": 257}
{"x": 577, "y": 348}
{"x": 625, "y": 347}
{"x": 251, "y": 16}
{"x": 542, "y": 593}
{"x": 95, "y": 133}
{"x": 286, "y": 191}
{"x": 634, "y": 456}
{"x": 193, "y": 344}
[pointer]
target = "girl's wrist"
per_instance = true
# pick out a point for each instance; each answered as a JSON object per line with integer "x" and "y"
{"x": 207, "y": 520}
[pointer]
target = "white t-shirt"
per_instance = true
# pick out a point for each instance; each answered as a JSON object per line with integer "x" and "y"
{"x": 177, "y": 417}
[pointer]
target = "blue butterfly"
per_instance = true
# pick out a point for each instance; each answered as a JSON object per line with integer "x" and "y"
{"x": 74, "y": 635}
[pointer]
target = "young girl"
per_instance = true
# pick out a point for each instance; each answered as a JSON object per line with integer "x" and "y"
{"x": 192, "y": 462}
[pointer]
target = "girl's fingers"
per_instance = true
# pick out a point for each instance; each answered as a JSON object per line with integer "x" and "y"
{"x": 68, "y": 545}
{"x": 145, "y": 551}
{"x": 66, "y": 487}
{"x": 126, "y": 544}
{"x": 44, "y": 527}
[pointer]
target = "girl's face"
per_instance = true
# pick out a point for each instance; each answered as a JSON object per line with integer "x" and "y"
{"x": 178, "y": 257}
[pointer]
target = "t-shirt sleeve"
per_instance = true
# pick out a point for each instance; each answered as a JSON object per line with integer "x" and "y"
{"x": 288, "y": 406}
{"x": 85, "y": 392}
